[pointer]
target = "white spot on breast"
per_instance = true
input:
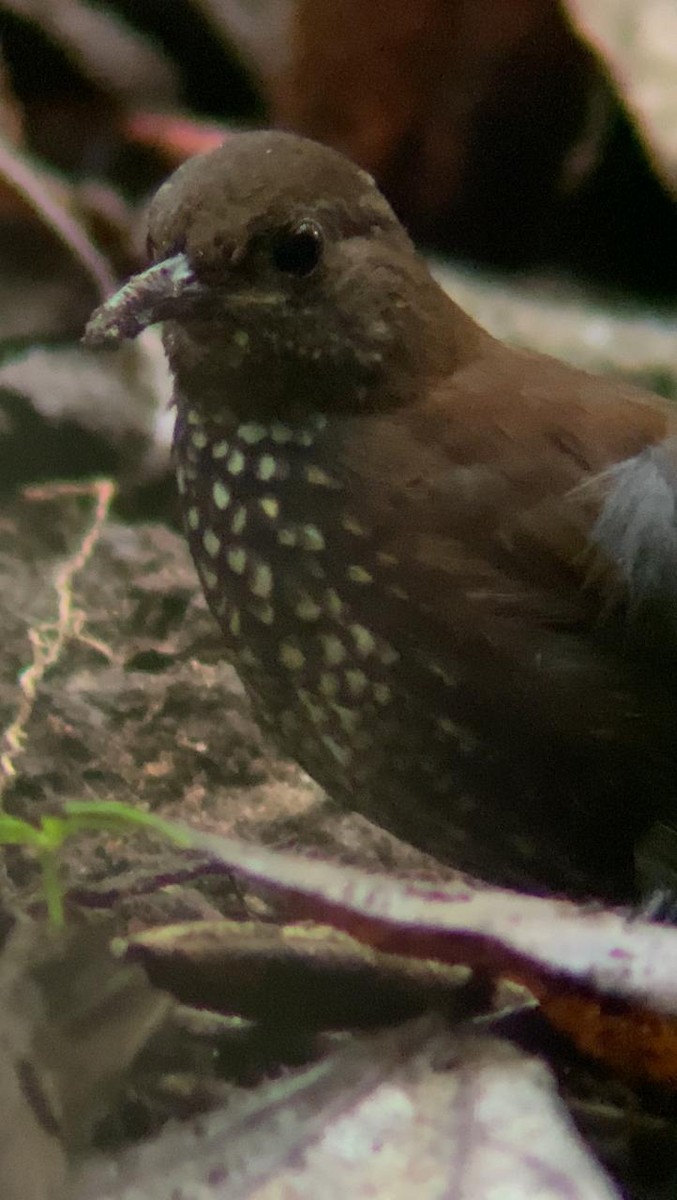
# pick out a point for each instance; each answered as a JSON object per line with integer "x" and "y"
{"x": 281, "y": 433}
{"x": 262, "y": 610}
{"x": 342, "y": 754}
{"x": 193, "y": 518}
{"x": 310, "y": 538}
{"x": 241, "y": 338}
{"x": 365, "y": 643}
{"x": 239, "y": 520}
{"x": 220, "y": 449}
{"x": 320, "y": 478}
{"x": 333, "y": 649}
{"x": 329, "y": 684}
{"x": 291, "y": 657}
{"x": 444, "y": 674}
{"x": 237, "y": 560}
{"x": 357, "y": 682}
{"x": 379, "y": 329}
{"x": 221, "y": 495}
{"x": 199, "y": 439}
{"x": 450, "y": 729}
{"x": 358, "y": 574}
{"x": 266, "y": 468}
{"x": 306, "y": 609}
{"x": 236, "y": 462}
{"x": 251, "y": 433}
{"x": 287, "y": 536}
{"x": 262, "y": 581}
{"x": 270, "y": 506}
{"x": 208, "y": 577}
{"x": 304, "y": 437}
{"x": 352, "y": 525}
{"x": 247, "y": 657}
{"x": 333, "y": 603}
{"x": 348, "y": 718}
{"x": 211, "y": 542}
{"x": 318, "y": 715}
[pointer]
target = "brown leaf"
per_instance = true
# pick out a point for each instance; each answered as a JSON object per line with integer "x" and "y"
{"x": 307, "y": 975}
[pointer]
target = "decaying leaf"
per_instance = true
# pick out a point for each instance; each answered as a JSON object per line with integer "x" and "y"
{"x": 415, "y": 1111}
{"x": 553, "y": 947}
{"x": 72, "y": 1020}
{"x": 304, "y": 975}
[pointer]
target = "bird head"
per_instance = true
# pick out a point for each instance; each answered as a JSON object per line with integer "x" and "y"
{"x": 283, "y": 279}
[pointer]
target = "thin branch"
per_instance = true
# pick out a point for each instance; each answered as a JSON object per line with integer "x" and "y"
{"x": 49, "y": 638}
{"x": 32, "y": 185}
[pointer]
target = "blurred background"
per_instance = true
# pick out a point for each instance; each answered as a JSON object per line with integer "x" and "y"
{"x": 530, "y": 146}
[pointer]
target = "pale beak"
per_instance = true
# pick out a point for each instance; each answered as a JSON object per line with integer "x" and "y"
{"x": 165, "y": 290}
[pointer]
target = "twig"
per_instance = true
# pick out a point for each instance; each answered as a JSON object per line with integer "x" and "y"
{"x": 49, "y": 638}
{"x": 29, "y": 183}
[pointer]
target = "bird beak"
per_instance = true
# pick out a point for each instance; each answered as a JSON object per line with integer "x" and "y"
{"x": 165, "y": 290}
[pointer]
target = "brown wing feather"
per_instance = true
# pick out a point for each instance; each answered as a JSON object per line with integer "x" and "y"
{"x": 520, "y": 546}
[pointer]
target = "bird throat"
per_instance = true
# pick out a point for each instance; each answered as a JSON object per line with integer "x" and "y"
{"x": 283, "y": 562}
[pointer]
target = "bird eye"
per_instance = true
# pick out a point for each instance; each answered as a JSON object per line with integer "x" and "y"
{"x": 297, "y": 251}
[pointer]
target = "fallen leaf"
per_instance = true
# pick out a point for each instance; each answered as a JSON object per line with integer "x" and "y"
{"x": 415, "y": 1111}
{"x": 72, "y": 1020}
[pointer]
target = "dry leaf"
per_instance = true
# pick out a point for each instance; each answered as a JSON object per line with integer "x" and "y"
{"x": 555, "y": 948}
{"x": 71, "y": 1022}
{"x": 302, "y": 975}
{"x": 414, "y": 1111}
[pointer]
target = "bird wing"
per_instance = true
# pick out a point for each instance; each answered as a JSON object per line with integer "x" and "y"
{"x": 529, "y": 562}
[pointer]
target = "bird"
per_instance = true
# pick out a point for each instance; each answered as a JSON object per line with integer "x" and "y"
{"x": 444, "y": 568}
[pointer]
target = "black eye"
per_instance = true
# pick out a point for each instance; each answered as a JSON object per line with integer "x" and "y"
{"x": 297, "y": 251}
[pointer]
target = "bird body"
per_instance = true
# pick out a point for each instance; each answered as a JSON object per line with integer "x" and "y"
{"x": 446, "y": 570}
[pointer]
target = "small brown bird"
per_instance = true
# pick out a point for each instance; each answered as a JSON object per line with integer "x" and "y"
{"x": 446, "y": 570}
